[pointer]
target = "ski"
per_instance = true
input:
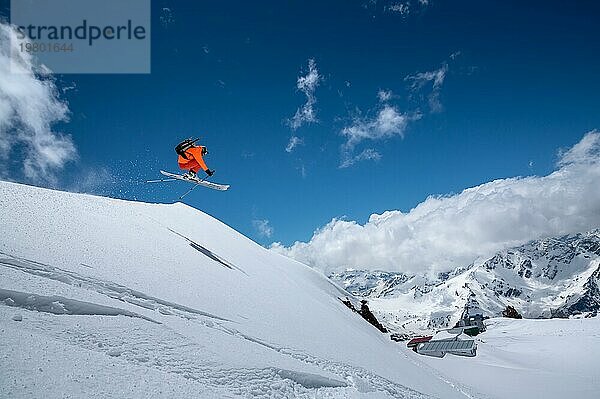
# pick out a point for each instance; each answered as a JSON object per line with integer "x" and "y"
{"x": 160, "y": 180}
{"x": 197, "y": 181}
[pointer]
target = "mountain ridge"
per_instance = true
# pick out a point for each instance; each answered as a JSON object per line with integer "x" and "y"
{"x": 545, "y": 278}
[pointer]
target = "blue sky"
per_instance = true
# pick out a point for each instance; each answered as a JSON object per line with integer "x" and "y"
{"x": 520, "y": 81}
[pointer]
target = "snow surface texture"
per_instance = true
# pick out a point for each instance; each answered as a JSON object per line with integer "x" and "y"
{"x": 556, "y": 358}
{"x": 552, "y": 277}
{"x": 104, "y": 298}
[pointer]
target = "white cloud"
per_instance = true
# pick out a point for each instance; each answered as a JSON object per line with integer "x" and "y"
{"x": 400, "y": 8}
{"x": 29, "y": 107}
{"x": 586, "y": 152}
{"x": 263, "y": 227}
{"x": 293, "y": 143}
{"x": 434, "y": 78}
{"x": 455, "y": 55}
{"x": 387, "y": 123}
{"x": 405, "y": 8}
{"x": 366, "y": 154}
{"x": 444, "y": 232}
{"x": 384, "y": 95}
{"x": 307, "y": 84}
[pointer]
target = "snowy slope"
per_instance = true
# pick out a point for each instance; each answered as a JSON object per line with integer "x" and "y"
{"x": 552, "y": 277}
{"x": 555, "y": 358}
{"x": 127, "y": 299}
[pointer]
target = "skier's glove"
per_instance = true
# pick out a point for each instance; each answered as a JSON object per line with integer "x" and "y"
{"x": 210, "y": 172}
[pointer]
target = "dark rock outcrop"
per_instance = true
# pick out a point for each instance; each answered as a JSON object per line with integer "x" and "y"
{"x": 511, "y": 313}
{"x": 366, "y": 313}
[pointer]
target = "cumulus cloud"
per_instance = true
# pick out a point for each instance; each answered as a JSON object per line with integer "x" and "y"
{"x": 307, "y": 84}
{"x": 263, "y": 227}
{"x": 388, "y": 122}
{"x": 29, "y": 107}
{"x": 444, "y": 232}
{"x": 586, "y": 152}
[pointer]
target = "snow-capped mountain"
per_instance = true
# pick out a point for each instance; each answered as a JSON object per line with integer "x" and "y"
{"x": 105, "y": 298}
{"x": 551, "y": 277}
{"x": 370, "y": 283}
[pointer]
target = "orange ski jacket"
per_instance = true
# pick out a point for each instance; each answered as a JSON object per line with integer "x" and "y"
{"x": 194, "y": 161}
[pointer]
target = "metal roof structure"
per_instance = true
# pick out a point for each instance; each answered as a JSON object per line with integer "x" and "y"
{"x": 441, "y": 347}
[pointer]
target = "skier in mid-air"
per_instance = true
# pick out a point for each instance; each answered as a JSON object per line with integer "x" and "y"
{"x": 190, "y": 158}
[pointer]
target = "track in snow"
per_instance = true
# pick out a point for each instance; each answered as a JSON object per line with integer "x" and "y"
{"x": 173, "y": 352}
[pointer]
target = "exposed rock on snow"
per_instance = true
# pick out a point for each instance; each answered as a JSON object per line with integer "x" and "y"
{"x": 511, "y": 313}
{"x": 366, "y": 313}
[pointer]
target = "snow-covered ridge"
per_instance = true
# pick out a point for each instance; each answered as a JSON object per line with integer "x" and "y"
{"x": 551, "y": 277}
{"x": 110, "y": 298}
{"x": 374, "y": 283}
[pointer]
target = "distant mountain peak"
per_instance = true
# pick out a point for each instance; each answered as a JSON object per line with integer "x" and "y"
{"x": 549, "y": 277}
